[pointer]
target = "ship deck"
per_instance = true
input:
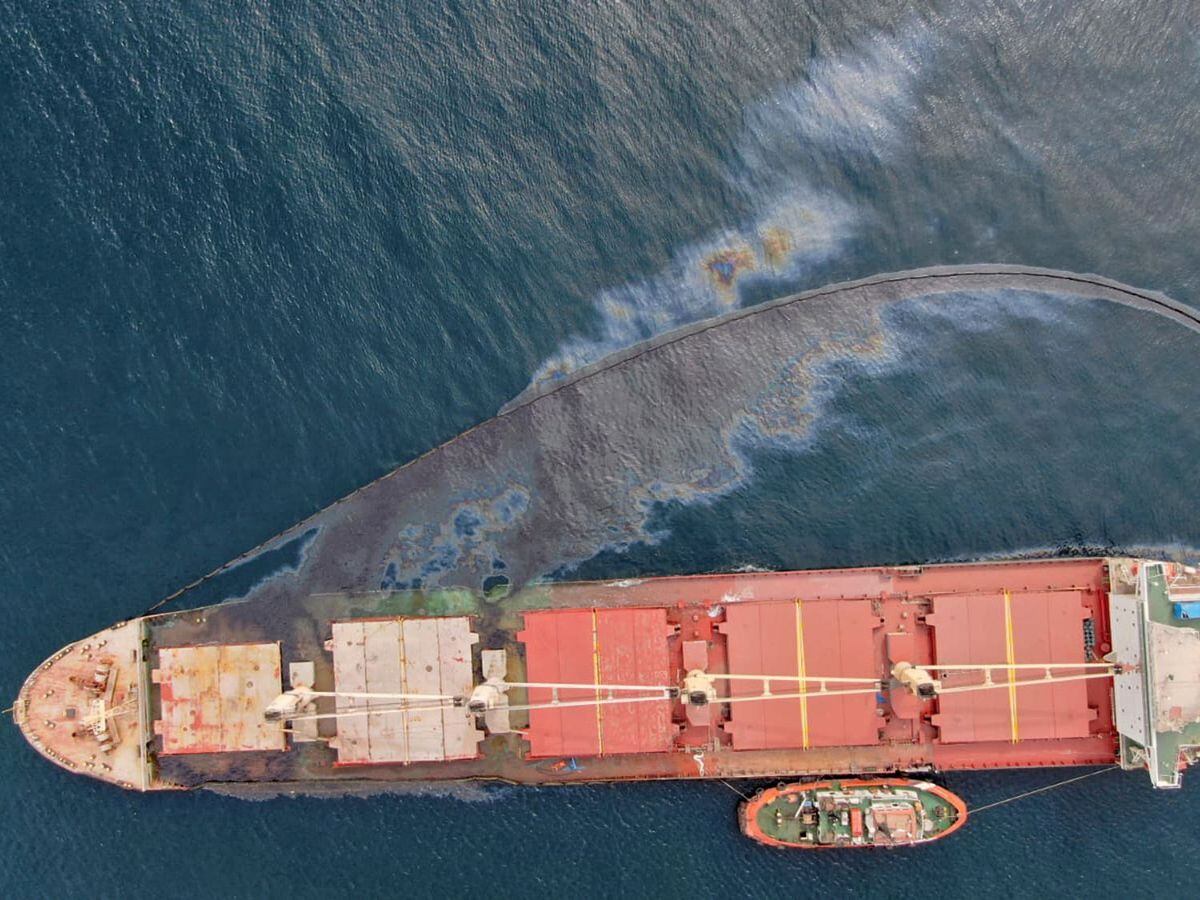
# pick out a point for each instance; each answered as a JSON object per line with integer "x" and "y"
{"x": 1158, "y": 697}
{"x": 852, "y": 622}
{"x": 196, "y": 722}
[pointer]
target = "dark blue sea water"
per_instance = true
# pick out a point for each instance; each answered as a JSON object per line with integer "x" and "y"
{"x": 254, "y": 256}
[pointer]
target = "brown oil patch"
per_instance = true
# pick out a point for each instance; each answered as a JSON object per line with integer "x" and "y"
{"x": 725, "y": 265}
{"x": 777, "y": 245}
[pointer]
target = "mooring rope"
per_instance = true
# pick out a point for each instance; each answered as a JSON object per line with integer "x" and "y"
{"x": 735, "y": 790}
{"x": 1041, "y": 790}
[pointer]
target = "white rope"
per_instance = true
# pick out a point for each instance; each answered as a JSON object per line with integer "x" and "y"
{"x": 1056, "y": 679}
{"x": 735, "y": 790}
{"x": 942, "y": 667}
{"x": 1040, "y": 790}
{"x": 717, "y": 676}
{"x": 378, "y": 710}
{"x": 662, "y": 693}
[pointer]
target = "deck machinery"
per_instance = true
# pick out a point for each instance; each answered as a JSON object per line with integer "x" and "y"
{"x": 765, "y": 675}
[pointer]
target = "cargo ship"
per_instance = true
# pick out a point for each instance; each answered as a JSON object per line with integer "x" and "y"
{"x": 854, "y": 673}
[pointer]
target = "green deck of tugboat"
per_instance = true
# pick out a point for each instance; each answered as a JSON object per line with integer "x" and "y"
{"x": 784, "y": 820}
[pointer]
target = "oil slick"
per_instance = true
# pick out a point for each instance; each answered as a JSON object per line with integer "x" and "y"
{"x": 851, "y": 105}
{"x": 581, "y": 466}
{"x": 468, "y": 539}
{"x": 726, "y": 265}
{"x": 777, "y": 245}
{"x": 652, "y": 409}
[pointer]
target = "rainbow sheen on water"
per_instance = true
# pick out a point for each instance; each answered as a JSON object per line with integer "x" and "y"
{"x": 252, "y": 258}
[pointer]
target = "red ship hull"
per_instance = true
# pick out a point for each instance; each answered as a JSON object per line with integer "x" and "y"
{"x": 751, "y": 632}
{"x": 844, "y": 623}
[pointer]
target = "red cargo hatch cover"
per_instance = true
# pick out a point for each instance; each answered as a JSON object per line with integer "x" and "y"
{"x": 837, "y": 641}
{"x": 1046, "y": 627}
{"x": 606, "y": 646}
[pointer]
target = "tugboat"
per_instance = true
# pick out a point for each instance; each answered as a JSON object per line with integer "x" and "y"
{"x": 890, "y": 812}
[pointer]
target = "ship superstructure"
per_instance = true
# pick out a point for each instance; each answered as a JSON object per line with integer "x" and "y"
{"x": 748, "y": 675}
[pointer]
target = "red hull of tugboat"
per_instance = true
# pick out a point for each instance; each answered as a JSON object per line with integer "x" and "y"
{"x": 748, "y": 812}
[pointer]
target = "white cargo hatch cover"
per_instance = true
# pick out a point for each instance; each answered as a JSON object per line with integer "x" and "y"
{"x": 403, "y": 656}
